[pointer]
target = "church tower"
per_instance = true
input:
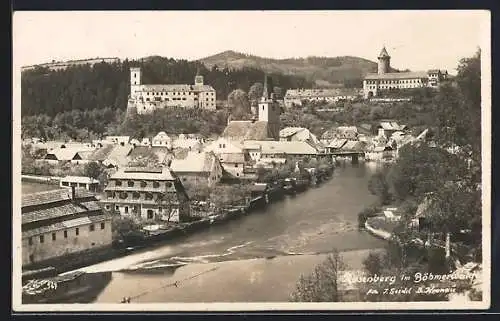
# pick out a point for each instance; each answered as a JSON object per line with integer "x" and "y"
{"x": 384, "y": 62}
{"x": 135, "y": 81}
{"x": 269, "y": 110}
{"x": 198, "y": 79}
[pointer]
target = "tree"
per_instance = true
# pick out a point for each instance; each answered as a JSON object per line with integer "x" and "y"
{"x": 255, "y": 92}
{"x": 378, "y": 186}
{"x": 239, "y": 105}
{"x": 323, "y": 284}
{"x": 169, "y": 202}
{"x": 93, "y": 170}
{"x": 374, "y": 263}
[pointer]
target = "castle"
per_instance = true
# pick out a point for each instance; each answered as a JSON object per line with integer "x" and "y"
{"x": 145, "y": 99}
{"x": 384, "y": 80}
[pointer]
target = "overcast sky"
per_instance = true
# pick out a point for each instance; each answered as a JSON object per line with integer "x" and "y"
{"x": 417, "y": 40}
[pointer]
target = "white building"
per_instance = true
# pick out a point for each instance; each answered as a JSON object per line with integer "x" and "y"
{"x": 375, "y": 84}
{"x": 90, "y": 184}
{"x": 147, "y": 98}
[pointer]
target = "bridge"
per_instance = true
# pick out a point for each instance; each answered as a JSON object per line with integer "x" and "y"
{"x": 353, "y": 154}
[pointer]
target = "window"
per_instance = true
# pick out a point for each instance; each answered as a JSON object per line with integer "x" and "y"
{"x": 65, "y": 234}
{"x": 160, "y": 209}
{"x": 136, "y": 195}
{"x": 168, "y": 184}
{"x": 102, "y": 226}
{"x": 149, "y": 196}
{"x": 130, "y": 184}
{"x": 235, "y": 165}
{"x": 156, "y": 184}
{"x": 262, "y": 107}
{"x": 92, "y": 227}
{"x": 109, "y": 194}
{"x": 42, "y": 238}
{"x": 65, "y": 183}
{"x": 30, "y": 241}
{"x": 77, "y": 231}
{"x": 116, "y": 208}
{"x": 54, "y": 236}
{"x": 118, "y": 183}
{"x": 123, "y": 195}
{"x": 32, "y": 259}
{"x": 126, "y": 209}
{"x": 150, "y": 214}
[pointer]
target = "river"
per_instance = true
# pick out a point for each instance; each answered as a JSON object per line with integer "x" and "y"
{"x": 258, "y": 257}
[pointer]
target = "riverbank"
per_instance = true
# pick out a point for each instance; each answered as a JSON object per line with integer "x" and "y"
{"x": 161, "y": 236}
{"x": 253, "y": 280}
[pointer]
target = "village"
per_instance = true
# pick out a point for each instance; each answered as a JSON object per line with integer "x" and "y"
{"x": 85, "y": 202}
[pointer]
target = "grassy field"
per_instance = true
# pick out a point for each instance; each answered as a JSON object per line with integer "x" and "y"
{"x": 32, "y": 187}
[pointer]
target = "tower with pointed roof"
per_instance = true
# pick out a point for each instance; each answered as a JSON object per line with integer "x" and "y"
{"x": 384, "y": 62}
{"x": 198, "y": 79}
{"x": 269, "y": 110}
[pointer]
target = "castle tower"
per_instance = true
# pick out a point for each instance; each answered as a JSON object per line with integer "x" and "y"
{"x": 198, "y": 79}
{"x": 384, "y": 62}
{"x": 269, "y": 110}
{"x": 135, "y": 80}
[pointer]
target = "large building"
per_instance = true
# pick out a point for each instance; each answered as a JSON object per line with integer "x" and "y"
{"x": 147, "y": 98}
{"x": 375, "y": 84}
{"x": 148, "y": 193}
{"x": 61, "y": 222}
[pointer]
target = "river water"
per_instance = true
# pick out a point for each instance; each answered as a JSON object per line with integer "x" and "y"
{"x": 258, "y": 257}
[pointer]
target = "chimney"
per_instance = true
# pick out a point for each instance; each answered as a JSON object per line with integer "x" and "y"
{"x": 72, "y": 193}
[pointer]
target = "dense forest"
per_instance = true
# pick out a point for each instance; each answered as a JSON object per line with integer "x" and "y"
{"x": 103, "y": 85}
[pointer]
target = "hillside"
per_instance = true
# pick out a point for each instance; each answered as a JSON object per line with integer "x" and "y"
{"x": 323, "y": 70}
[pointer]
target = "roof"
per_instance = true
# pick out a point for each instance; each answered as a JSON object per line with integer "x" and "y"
{"x": 247, "y": 130}
{"x": 60, "y": 210}
{"x": 383, "y": 53}
{"x": 143, "y": 173}
{"x": 337, "y": 143}
{"x": 52, "y": 196}
{"x": 79, "y": 179}
{"x": 397, "y": 75}
{"x": 194, "y": 162}
{"x": 321, "y": 92}
{"x": 285, "y": 147}
{"x": 69, "y": 153}
{"x": 176, "y": 87}
{"x": 118, "y": 155}
{"x": 289, "y": 131}
{"x": 162, "y": 135}
{"x": 391, "y": 126}
{"x": 352, "y": 146}
{"x": 100, "y": 154}
{"x": 65, "y": 225}
{"x": 232, "y": 158}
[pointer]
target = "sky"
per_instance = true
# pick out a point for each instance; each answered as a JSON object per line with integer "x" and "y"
{"x": 417, "y": 40}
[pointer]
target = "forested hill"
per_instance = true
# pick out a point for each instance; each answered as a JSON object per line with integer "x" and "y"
{"x": 324, "y": 71}
{"x": 107, "y": 85}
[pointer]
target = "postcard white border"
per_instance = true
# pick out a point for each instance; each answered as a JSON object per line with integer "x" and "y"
{"x": 17, "y": 305}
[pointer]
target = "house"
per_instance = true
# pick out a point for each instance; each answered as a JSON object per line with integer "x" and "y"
{"x": 120, "y": 140}
{"x": 118, "y": 156}
{"x": 278, "y": 151}
{"x": 145, "y": 142}
{"x": 135, "y": 142}
{"x": 162, "y": 155}
{"x": 88, "y": 183}
{"x": 198, "y": 167}
{"x": 335, "y": 145}
{"x": 76, "y": 155}
{"x": 147, "y": 193}
{"x": 234, "y": 164}
{"x": 61, "y": 222}
{"x": 379, "y": 153}
{"x": 188, "y": 142}
{"x": 300, "y": 134}
{"x": 162, "y": 140}
{"x": 387, "y": 128}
